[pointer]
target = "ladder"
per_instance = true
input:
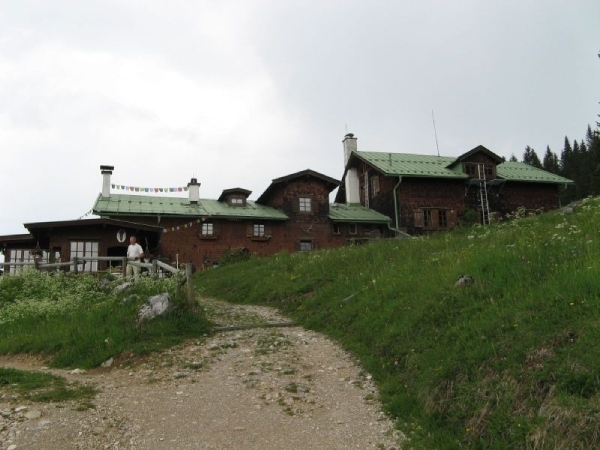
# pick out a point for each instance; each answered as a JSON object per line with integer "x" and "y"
{"x": 483, "y": 197}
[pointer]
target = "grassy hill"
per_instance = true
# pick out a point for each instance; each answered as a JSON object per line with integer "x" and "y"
{"x": 509, "y": 361}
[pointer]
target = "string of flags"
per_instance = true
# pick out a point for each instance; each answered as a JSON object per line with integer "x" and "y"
{"x": 148, "y": 189}
{"x": 183, "y": 227}
{"x": 86, "y": 214}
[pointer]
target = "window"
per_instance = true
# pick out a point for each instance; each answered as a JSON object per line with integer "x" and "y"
{"x": 207, "y": 229}
{"x": 352, "y": 228}
{"x": 258, "y": 230}
{"x": 336, "y": 228}
{"x": 427, "y": 218}
{"x": 443, "y": 218}
{"x": 87, "y": 249}
{"x": 236, "y": 201}
{"x": 305, "y": 246}
{"x": 304, "y": 204}
{"x": 374, "y": 185}
{"x": 23, "y": 256}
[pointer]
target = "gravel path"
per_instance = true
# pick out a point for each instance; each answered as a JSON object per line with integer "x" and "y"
{"x": 260, "y": 388}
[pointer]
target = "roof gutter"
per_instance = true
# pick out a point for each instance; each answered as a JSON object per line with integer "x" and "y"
{"x": 397, "y": 229}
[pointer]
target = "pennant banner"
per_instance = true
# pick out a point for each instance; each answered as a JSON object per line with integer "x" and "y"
{"x": 149, "y": 190}
{"x": 182, "y": 227}
{"x": 86, "y": 214}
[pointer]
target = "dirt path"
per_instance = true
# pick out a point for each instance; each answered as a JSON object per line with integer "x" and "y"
{"x": 262, "y": 388}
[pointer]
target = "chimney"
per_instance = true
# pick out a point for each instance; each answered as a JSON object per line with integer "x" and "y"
{"x": 349, "y": 147}
{"x": 106, "y": 172}
{"x": 194, "y": 191}
{"x": 351, "y": 180}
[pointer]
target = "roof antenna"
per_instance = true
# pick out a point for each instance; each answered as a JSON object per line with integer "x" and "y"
{"x": 435, "y": 131}
{"x": 346, "y": 128}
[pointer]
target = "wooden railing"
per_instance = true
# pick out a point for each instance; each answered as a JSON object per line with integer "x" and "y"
{"x": 153, "y": 267}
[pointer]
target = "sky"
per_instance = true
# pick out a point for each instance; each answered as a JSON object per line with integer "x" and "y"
{"x": 237, "y": 93}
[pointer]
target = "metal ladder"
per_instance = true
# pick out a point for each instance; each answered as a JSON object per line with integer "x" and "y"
{"x": 483, "y": 197}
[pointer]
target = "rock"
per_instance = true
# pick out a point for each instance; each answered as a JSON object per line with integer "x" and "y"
{"x": 464, "y": 280}
{"x": 154, "y": 307}
{"x": 131, "y": 298}
{"x": 20, "y": 408}
{"x": 77, "y": 371}
{"x": 33, "y": 414}
{"x": 108, "y": 362}
{"x": 12, "y": 447}
{"x": 122, "y": 287}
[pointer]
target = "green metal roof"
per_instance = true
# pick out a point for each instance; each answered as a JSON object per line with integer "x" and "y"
{"x": 516, "y": 171}
{"x": 408, "y": 164}
{"x": 355, "y": 213}
{"x": 411, "y": 165}
{"x": 128, "y": 205}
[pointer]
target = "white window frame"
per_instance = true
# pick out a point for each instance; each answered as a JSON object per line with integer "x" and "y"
{"x": 306, "y": 246}
{"x": 84, "y": 249}
{"x": 258, "y": 230}
{"x": 208, "y": 229}
{"x": 305, "y": 204}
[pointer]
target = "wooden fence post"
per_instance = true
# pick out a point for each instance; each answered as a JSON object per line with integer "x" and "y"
{"x": 75, "y": 268}
{"x": 190, "y": 285}
{"x": 124, "y": 266}
{"x": 155, "y": 268}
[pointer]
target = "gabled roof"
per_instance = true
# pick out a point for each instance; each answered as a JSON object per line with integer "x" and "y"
{"x": 144, "y": 205}
{"x": 430, "y": 166}
{"x": 516, "y": 171}
{"x": 330, "y": 182}
{"x": 478, "y": 149}
{"x": 408, "y": 164}
{"x": 339, "y": 212}
{"x": 243, "y": 192}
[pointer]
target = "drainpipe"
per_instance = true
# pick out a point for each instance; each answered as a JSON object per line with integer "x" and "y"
{"x": 397, "y": 229}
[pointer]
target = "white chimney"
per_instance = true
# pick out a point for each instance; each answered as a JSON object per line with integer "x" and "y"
{"x": 194, "y": 191}
{"x": 106, "y": 173}
{"x": 351, "y": 180}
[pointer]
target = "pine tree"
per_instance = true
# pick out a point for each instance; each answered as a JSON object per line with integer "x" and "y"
{"x": 513, "y": 158}
{"x": 551, "y": 161}
{"x": 530, "y": 157}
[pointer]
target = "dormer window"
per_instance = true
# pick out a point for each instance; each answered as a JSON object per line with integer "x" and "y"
{"x": 237, "y": 201}
{"x": 479, "y": 170}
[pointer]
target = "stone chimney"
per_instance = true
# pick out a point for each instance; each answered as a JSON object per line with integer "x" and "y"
{"x": 106, "y": 172}
{"x": 351, "y": 180}
{"x": 194, "y": 191}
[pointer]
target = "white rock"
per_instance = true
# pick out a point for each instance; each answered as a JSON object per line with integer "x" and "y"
{"x": 34, "y": 414}
{"x": 20, "y": 408}
{"x": 108, "y": 362}
{"x": 77, "y": 371}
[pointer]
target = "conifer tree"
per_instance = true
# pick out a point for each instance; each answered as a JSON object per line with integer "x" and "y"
{"x": 530, "y": 157}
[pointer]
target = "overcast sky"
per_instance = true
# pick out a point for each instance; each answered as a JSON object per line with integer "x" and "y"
{"x": 237, "y": 93}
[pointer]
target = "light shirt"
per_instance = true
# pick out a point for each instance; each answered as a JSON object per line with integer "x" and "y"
{"x": 134, "y": 251}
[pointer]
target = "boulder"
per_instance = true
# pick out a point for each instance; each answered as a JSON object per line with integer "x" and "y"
{"x": 154, "y": 307}
{"x": 122, "y": 287}
{"x": 464, "y": 280}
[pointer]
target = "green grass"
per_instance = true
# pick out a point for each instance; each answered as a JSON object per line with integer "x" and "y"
{"x": 44, "y": 387}
{"x": 508, "y": 362}
{"x": 77, "y": 321}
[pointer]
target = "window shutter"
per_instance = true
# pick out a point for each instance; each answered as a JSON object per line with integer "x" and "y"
{"x": 419, "y": 219}
{"x": 451, "y": 214}
{"x": 435, "y": 219}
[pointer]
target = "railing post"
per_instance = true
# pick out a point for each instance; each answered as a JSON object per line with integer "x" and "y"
{"x": 75, "y": 268}
{"x": 155, "y": 268}
{"x": 124, "y": 266}
{"x": 190, "y": 285}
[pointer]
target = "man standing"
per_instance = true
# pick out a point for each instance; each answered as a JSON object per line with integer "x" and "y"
{"x": 135, "y": 252}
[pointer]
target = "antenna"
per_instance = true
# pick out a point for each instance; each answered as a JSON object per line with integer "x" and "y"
{"x": 346, "y": 128}
{"x": 435, "y": 131}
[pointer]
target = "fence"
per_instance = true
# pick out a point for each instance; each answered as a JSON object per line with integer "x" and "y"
{"x": 154, "y": 267}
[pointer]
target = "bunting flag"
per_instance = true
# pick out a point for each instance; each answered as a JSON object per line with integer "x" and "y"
{"x": 120, "y": 187}
{"x": 86, "y": 214}
{"x": 183, "y": 227}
